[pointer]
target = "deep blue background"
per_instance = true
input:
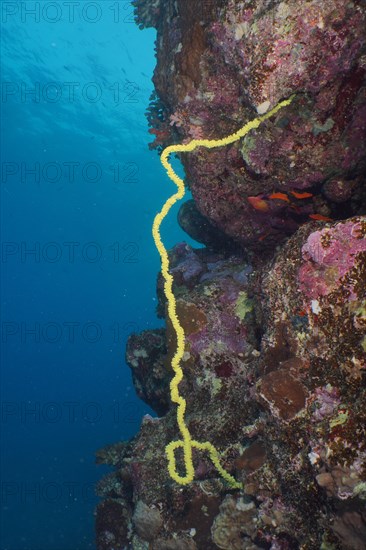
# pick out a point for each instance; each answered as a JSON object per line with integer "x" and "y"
{"x": 67, "y": 392}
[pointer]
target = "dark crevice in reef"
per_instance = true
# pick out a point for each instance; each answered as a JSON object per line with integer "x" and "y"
{"x": 274, "y": 306}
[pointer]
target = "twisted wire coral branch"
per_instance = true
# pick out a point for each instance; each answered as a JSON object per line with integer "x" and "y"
{"x": 187, "y": 443}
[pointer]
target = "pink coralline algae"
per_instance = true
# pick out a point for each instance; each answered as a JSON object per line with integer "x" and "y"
{"x": 326, "y": 401}
{"x": 329, "y": 255}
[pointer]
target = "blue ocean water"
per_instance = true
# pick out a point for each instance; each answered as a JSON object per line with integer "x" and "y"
{"x": 79, "y": 192}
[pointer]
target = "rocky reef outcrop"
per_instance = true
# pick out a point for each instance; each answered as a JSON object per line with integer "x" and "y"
{"x": 274, "y": 376}
{"x": 219, "y": 64}
{"x": 274, "y": 307}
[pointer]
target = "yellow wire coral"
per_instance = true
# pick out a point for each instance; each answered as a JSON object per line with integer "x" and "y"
{"x": 187, "y": 443}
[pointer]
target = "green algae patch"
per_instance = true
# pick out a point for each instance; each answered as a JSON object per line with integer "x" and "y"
{"x": 360, "y": 490}
{"x": 339, "y": 420}
{"x": 361, "y": 310}
{"x": 243, "y": 306}
{"x": 363, "y": 343}
{"x": 318, "y": 128}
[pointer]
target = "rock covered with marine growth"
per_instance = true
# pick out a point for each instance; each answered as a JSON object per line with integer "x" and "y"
{"x": 274, "y": 308}
{"x": 274, "y": 371}
{"x": 220, "y": 64}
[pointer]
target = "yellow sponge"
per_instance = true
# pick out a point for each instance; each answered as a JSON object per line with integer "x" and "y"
{"x": 187, "y": 443}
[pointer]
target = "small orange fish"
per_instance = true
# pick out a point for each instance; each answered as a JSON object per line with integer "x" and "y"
{"x": 304, "y": 195}
{"x": 320, "y": 218}
{"x": 258, "y": 204}
{"x": 262, "y": 237}
{"x": 280, "y": 196}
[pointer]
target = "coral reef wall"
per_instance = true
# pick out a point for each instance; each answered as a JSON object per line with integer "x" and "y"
{"x": 274, "y": 307}
{"x": 221, "y": 63}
